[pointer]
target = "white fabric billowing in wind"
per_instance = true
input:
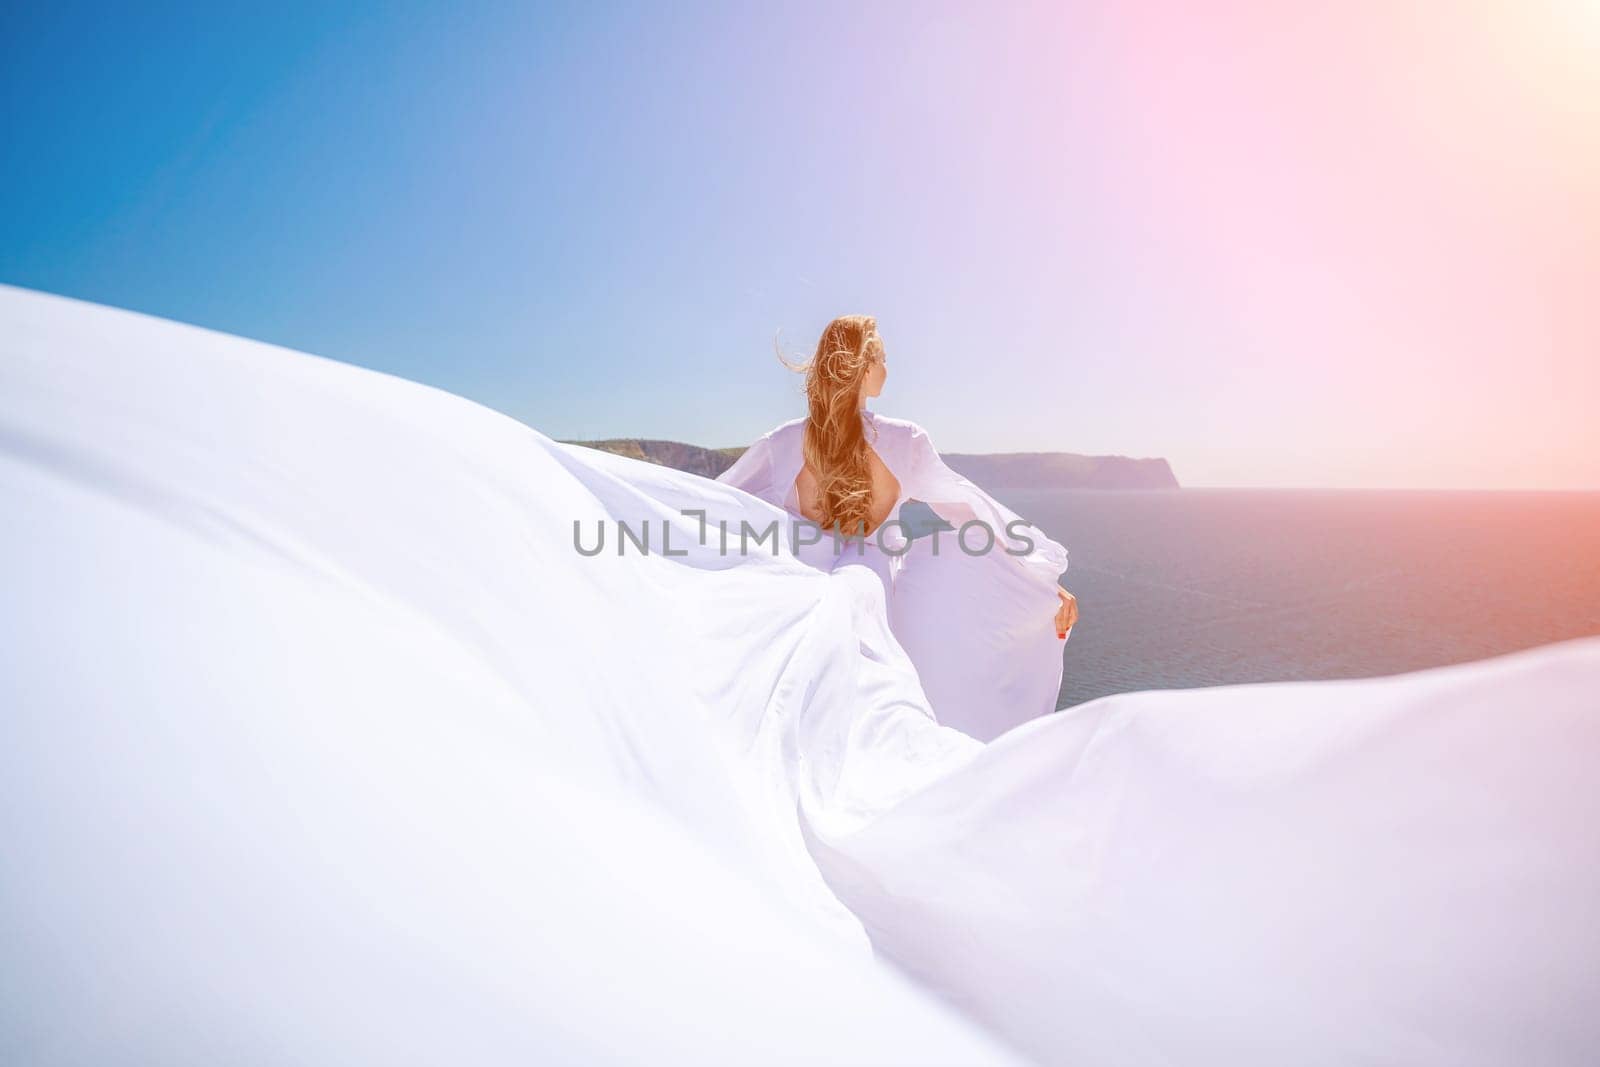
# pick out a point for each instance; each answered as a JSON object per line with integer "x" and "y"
{"x": 320, "y": 741}
{"x": 973, "y": 607}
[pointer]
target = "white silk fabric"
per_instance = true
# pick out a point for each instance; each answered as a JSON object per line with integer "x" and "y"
{"x": 321, "y": 741}
{"x": 973, "y": 607}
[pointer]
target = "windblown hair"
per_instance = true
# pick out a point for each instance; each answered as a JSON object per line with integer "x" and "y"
{"x": 835, "y": 447}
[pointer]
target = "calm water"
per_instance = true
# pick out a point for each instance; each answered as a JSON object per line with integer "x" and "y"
{"x": 1214, "y": 586}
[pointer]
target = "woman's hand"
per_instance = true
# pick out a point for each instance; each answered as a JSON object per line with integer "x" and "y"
{"x": 1066, "y": 614}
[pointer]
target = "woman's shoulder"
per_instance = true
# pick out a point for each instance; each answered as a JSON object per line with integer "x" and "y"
{"x": 888, "y": 429}
{"x": 903, "y": 430}
{"x": 786, "y": 431}
{"x": 782, "y": 432}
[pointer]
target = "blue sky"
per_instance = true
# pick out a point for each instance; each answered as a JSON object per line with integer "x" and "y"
{"x": 596, "y": 218}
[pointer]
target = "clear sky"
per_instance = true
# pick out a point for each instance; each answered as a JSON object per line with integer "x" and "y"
{"x": 1357, "y": 246}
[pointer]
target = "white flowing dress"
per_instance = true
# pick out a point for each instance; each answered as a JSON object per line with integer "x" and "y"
{"x": 976, "y": 620}
{"x": 325, "y": 739}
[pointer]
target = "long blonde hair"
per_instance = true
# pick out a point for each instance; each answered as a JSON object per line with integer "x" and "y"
{"x": 835, "y": 448}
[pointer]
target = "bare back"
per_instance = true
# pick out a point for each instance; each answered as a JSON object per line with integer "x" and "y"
{"x": 885, "y": 492}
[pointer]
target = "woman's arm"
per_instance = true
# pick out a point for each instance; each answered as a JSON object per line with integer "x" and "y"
{"x": 958, "y": 500}
{"x": 752, "y": 471}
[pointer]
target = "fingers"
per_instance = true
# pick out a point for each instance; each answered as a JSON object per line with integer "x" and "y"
{"x": 1066, "y": 615}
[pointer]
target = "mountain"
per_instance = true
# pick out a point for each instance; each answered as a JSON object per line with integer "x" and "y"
{"x": 694, "y": 459}
{"x": 1007, "y": 470}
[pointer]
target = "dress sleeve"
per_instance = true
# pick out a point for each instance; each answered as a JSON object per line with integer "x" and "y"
{"x": 752, "y": 471}
{"x": 953, "y": 496}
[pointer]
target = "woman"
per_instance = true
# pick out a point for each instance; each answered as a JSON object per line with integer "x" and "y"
{"x": 973, "y": 599}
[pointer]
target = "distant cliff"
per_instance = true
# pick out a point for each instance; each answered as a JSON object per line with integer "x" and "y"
{"x": 709, "y": 462}
{"x": 1008, "y": 470}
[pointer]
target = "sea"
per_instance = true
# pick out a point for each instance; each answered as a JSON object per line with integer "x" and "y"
{"x": 1201, "y": 587}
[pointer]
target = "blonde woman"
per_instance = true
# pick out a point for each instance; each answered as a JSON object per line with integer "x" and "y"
{"x": 974, "y": 599}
